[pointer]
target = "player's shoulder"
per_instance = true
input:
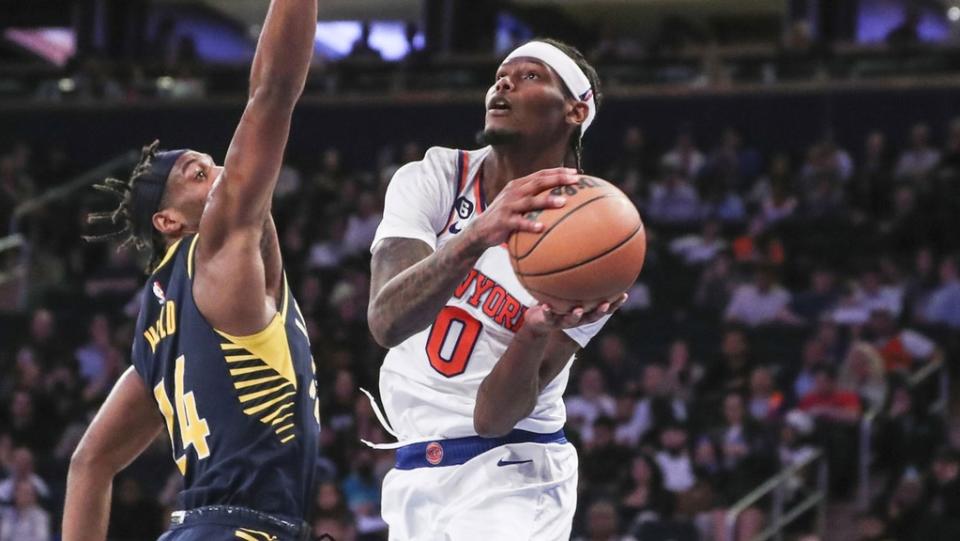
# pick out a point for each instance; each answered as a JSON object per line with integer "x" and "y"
{"x": 441, "y": 167}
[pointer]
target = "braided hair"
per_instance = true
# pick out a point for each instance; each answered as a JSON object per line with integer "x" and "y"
{"x": 576, "y": 142}
{"x": 122, "y": 219}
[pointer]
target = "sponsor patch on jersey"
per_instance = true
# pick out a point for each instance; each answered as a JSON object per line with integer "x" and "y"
{"x": 434, "y": 453}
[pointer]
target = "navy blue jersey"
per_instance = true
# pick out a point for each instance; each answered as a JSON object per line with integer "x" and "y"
{"x": 241, "y": 411}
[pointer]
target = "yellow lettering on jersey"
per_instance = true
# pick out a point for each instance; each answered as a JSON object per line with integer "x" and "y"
{"x": 193, "y": 429}
{"x": 164, "y": 326}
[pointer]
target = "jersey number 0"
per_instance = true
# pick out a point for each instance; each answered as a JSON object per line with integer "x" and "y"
{"x": 452, "y": 339}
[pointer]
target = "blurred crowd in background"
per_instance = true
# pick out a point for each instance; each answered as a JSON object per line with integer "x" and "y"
{"x": 785, "y": 296}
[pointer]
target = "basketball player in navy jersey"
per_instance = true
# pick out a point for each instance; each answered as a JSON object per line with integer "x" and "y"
{"x": 221, "y": 359}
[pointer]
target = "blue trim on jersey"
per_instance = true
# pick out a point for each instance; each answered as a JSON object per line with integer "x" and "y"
{"x": 456, "y": 451}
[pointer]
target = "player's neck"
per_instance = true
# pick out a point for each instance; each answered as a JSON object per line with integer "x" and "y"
{"x": 504, "y": 164}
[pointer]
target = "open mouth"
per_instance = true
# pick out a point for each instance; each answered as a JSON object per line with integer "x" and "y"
{"x": 498, "y": 104}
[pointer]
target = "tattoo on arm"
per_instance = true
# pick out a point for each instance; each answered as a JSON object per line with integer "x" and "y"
{"x": 410, "y": 285}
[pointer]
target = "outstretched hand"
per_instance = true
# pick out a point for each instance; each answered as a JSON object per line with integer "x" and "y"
{"x": 542, "y": 318}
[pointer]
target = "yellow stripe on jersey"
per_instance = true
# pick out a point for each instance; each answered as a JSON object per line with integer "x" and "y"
{"x": 193, "y": 246}
{"x": 268, "y": 418}
{"x": 249, "y": 370}
{"x": 259, "y": 394}
{"x": 270, "y": 346}
{"x": 251, "y": 382}
{"x": 271, "y": 390}
{"x": 168, "y": 256}
{"x": 268, "y": 403}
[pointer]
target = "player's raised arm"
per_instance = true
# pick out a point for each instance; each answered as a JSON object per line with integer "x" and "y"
{"x": 241, "y": 198}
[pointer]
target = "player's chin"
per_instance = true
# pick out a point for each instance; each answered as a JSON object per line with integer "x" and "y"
{"x": 497, "y": 134}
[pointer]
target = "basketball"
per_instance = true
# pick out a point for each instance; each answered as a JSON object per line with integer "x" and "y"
{"x": 590, "y": 251}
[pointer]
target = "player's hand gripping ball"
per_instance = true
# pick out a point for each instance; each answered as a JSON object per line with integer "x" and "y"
{"x": 589, "y": 251}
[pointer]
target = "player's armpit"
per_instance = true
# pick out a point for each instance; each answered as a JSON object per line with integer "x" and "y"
{"x": 410, "y": 284}
{"x": 125, "y": 425}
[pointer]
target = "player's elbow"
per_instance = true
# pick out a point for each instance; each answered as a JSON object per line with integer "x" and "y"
{"x": 86, "y": 459}
{"x": 276, "y": 95}
{"x": 384, "y": 332}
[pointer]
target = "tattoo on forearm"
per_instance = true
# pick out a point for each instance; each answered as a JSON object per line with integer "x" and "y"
{"x": 411, "y": 285}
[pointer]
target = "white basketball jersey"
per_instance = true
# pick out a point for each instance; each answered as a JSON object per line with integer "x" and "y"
{"x": 429, "y": 382}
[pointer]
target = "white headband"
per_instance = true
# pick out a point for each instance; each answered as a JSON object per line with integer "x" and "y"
{"x": 573, "y": 77}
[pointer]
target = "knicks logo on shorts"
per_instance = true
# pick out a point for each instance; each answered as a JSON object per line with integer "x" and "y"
{"x": 434, "y": 453}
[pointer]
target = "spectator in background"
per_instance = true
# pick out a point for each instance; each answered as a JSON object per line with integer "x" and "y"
{"x": 766, "y": 402}
{"x": 25, "y": 423}
{"x": 779, "y": 172}
{"x": 779, "y": 204}
{"x": 43, "y": 340}
{"x": 644, "y": 498}
{"x": 94, "y": 359}
{"x": 658, "y": 407}
{"x": 684, "y": 157}
{"x": 22, "y": 470}
{"x": 636, "y": 164}
{"x": 716, "y": 286}
{"x": 361, "y": 225}
{"x": 731, "y": 372}
{"x": 825, "y": 159}
{"x": 702, "y": 248}
{"x": 361, "y": 490}
{"x": 871, "y": 187}
{"x": 862, "y": 371}
{"x": 873, "y": 295}
{"x": 25, "y": 520}
{"x": 919, "y": 286}
{"x": 604, "y": 463}
{"x": 620, "y": 370}
{"x": 901, "y": 349}
{"x": 943, "y": 517}
{"x": 746, "y": 458}
{"x": 837, "y": 412}
{"x": 603, "y": 523}
{"x": 906, "y": 435}
{"x": 822, "y": 295}
{"x": 920, "y": 159}
{"x": 813, "y": 356}
{"x": 683, "y": 372}
{"x": 674, "y": 459}
{"x": 944, "y": 305}
{"x": 828, "y": 403}
{"x": 674, "y": 200}
{"x": 762, "y": 302}
{"x": 589, "y": 404}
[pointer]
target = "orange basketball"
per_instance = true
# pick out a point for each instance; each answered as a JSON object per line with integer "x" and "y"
{"x": 589, "y": 251}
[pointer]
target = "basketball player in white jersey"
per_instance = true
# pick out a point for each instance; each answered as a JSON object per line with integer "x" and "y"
{"x": 473, "y": 383}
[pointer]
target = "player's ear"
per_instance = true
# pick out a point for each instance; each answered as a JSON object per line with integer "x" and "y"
{"x": 577, "y": 114}
{"x": 168, "y": 222}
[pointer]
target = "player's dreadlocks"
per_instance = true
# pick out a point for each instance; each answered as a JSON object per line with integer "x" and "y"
{"x": 140, "y": 197}
{"x": 576, "y": 142}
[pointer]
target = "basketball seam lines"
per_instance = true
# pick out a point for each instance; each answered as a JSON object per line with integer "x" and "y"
{"x": 585, "y": 261}
{"x": 556, "y": 223}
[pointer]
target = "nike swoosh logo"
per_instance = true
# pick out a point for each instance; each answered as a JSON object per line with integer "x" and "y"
{"x": 503, "y": 462}
{"x": 454, "y": 229}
